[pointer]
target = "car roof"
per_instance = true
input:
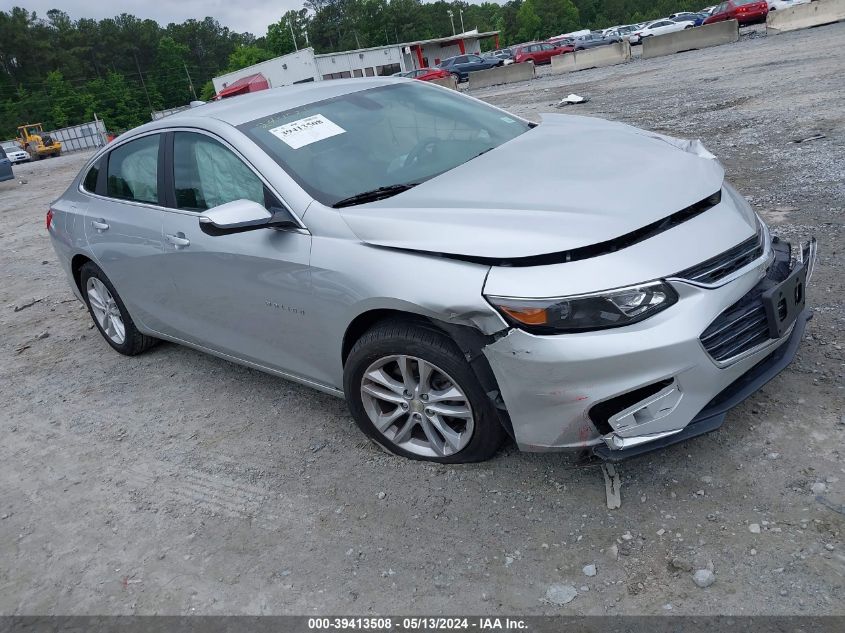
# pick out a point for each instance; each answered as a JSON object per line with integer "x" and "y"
{"x": 255, "y": 105}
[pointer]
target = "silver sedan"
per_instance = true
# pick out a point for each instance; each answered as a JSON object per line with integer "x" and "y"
{"x": 429, "y": 258}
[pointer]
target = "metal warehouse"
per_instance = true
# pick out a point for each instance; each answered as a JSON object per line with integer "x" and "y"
{"x": 304, "y": 65}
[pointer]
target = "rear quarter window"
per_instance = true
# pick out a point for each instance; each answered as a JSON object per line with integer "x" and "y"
{"x": 90, "y": 181}
{"x": 132, "y": 172}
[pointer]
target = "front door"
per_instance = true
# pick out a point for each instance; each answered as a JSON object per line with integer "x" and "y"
{"x": 243, "y": 294}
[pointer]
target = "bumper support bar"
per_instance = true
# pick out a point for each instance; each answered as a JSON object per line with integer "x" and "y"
{"x": 713, "y": 415}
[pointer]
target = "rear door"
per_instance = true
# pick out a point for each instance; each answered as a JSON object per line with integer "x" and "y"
{"x": 242, "y": 294}
{"x": 122, "y": 220}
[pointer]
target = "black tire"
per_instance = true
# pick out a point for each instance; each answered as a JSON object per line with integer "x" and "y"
{"x": 134, "y": 341}
{"x": 428, "y": 343}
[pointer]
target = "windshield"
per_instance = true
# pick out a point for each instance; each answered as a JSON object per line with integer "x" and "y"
{"x": 399, "y": 134}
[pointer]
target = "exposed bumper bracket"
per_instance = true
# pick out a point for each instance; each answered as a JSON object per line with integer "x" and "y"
{"x": 713, "y": 415}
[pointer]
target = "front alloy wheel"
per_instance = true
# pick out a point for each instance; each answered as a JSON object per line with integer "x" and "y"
{"x": 410, "y": 388}
{"x": 417, "y": 406}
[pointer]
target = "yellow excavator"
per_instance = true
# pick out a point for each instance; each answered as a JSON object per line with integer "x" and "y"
{"x": 32, "y": 139}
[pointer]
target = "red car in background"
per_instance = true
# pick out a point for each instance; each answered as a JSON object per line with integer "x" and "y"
{"x": 743, "y": 11}
{"x": 537, "y": 52}
{"x": 425, "y": 74}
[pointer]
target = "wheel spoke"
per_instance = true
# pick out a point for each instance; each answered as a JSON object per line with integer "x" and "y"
{"x": 450, "y": 393}
{"x": 377, "y": 391}
{"x": 425, "y": 375}
{"x": 452, "y": 437}
{"x": 405, "y": 369}
{"x": 382, "y": 378}
{"x": 404, "y": 433}
{"x": 119, "y": 328}
{"x": 384, "y": 421}
{"x": 450, "y": 410}
{"x": 95, "y": 300}
{"x": 434, "y": 440}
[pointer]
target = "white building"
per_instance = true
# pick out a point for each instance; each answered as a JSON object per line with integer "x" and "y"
{"x": 305, "y": 65}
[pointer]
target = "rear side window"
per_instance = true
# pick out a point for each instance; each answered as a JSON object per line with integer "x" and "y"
{"x": 2, "y": 153}
{"x": 133, "y": 170}
{"x": 90, "y": 182}
{"x": 207, "y": 174}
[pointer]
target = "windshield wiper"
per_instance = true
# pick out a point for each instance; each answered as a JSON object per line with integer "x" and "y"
{"x": 375, "y": 194}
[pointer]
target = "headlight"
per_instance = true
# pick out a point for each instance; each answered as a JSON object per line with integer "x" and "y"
{"x": 582, "y": 313}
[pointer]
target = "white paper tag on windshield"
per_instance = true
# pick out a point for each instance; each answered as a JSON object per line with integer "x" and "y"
{"x": 306, "y": 131}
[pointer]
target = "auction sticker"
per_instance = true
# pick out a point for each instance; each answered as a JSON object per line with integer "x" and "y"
{"x": 306, "y": 131}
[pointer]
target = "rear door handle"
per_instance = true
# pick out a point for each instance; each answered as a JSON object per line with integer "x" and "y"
{"x": 100, "y": 225}
{"x": 179, "y": 240}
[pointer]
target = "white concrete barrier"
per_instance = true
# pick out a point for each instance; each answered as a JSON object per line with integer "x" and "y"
{"x": 704, "y": 36}
{"x": 501, "y": 75}
{"x": 805, "y": 15}
{"x": 447, "y": 82}
{"x": 609, "y": 55}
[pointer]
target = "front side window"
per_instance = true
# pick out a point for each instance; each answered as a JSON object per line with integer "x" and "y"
{"x": 207, "y": 174}
{"x": 396, "y": 134}
{"x": 133, "y": 170}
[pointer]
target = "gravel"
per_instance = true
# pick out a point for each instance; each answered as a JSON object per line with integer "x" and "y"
{"x": 703, "y": 578}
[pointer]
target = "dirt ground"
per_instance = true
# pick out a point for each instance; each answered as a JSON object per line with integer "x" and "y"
{"x": 178, "y": 483}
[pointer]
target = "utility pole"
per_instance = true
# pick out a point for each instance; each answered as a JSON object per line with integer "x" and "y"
{"x": 307, "y": 43}
{"x": 461, "y": 11}
{"x": 452, "y": 20}
{"x": 138, "y": 66}
{"x": 190, "y": 83}
{"x": 357, "y": 43}
{"x": 290, "y": 24}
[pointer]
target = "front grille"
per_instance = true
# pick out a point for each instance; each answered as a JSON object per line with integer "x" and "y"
{"x": 738, "y": 329}
{"x": 720, "y": 266}
{"x": 745, "y": 325}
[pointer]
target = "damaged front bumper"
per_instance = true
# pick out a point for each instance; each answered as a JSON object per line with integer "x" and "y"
{"x": 628, "y": 391}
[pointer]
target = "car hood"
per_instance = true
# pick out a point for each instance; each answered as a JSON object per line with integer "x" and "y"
{"x": 569, "y": 182}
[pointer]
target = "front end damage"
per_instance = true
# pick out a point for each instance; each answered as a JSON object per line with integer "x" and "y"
{"x": 626, "y": 391}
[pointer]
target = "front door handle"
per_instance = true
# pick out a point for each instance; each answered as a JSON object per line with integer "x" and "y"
{"x": 179, "y": 240}
{"x": 100, "y": 225}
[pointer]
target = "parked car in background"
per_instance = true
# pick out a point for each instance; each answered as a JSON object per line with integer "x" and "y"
{"x": 425, "y": 74}
{"x": 421, "y": 253}
{"x": 697, "y": 18}
{"x": 562, "y": 41}
{"x": 595, "y": 39}
{"x": 624, "y": 32}
{"x": 538, "y": 53}
{"x": 743, "y": 11}
{"x": 14, "y": 152}
{"x": 659, "y": 27}
{"x": 462, "y": 65}
{"x": 775, "y": 5}
{"x": 6, "y": 172}
{"x": 505, "y": 54}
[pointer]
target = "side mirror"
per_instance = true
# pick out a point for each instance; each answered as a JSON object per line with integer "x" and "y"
{"x": 237, "y": 214}
{"x": 243, "y": 215}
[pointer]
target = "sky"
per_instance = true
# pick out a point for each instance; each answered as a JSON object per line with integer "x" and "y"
{"x": 238, "y": 15}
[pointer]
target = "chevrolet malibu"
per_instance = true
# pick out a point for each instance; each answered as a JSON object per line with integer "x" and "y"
{"x": 424, "y": 255}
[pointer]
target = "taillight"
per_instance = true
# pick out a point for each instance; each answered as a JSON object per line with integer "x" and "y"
{"x": 49, "y": 218}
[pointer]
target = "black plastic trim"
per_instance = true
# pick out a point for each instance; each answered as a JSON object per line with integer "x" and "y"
{"x": 593, "y": 250}
{"x": 712, "y": 416}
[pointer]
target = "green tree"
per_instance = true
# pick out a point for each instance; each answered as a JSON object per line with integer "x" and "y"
{"x": 528, "y": 22}
{"x": 244, "y": 56}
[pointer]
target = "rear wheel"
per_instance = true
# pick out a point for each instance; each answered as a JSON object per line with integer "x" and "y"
{"x": 410, "y": 389}
{"x": 110, "y": 314}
